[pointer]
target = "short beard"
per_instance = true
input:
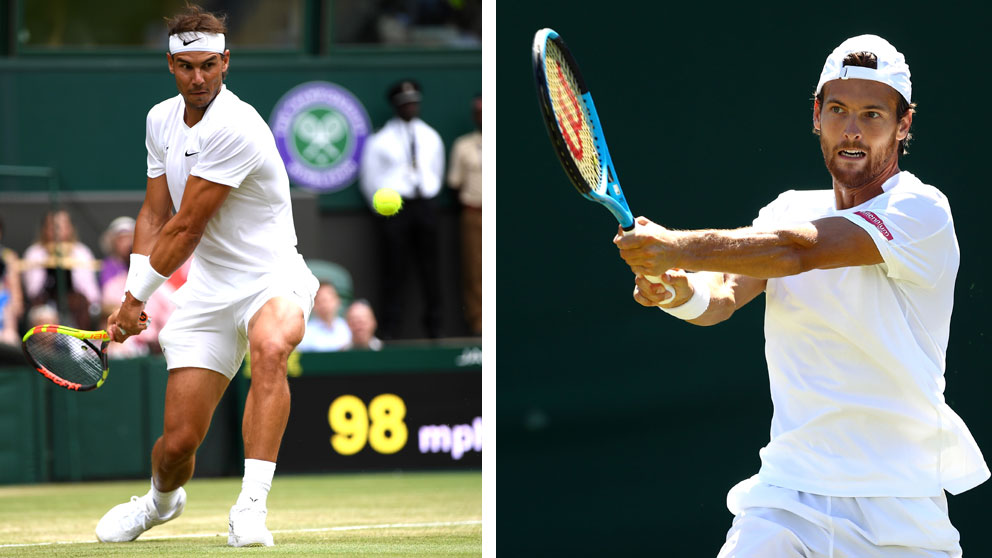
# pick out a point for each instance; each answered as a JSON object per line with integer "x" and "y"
{"x": 877, "y": 163}
{"x": 200, "y": 106}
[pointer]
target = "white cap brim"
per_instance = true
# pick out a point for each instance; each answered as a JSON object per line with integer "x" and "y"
{"x": 891, "y": 70}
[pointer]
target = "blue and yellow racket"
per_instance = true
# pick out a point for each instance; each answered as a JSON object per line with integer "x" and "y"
{"x": 576, "y": 133}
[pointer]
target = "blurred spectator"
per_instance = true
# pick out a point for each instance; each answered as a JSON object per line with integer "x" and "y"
{"x": 361, "y": 322}
{"x": 116, "y": 244}
{"x": 58, "y": 249}
{"x": 326, "y": 330}
{"x": 8, "y": 322}
{"x": 465, "y": 175}
{"x": 407, "y": 155}
{"x": 11, "y": 296}
{"x": 452, "y": 23}
{"x": 42, "y": 314}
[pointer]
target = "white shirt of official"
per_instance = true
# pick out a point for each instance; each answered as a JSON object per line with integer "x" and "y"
{"x": 856, "y": 355}
{"x": 387, "y": 163}
{"x": 232, "y": 145}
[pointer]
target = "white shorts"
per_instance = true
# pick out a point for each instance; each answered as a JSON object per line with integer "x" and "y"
{"x": 774, "y": 521}
{"x": 209, "y": 328}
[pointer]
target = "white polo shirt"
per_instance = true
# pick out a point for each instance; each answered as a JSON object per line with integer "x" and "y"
{"x": 856, "y": 355}
{"x": 231, "y": 145}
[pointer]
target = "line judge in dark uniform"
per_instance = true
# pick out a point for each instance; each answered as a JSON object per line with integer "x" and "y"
{"x": 407, "y": 155}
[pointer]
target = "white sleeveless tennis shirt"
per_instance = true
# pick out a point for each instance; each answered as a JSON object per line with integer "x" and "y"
{"x": 231, "y": 145}
{"x": 856, "y": 355}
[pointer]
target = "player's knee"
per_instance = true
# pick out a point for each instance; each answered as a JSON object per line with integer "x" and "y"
{"x": 181, "y": 445}
{"x": 270, "y": 351}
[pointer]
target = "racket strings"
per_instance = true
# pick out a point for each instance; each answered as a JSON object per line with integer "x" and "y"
{"x": 71, "y": 359}
{"x": 572, "y": 114}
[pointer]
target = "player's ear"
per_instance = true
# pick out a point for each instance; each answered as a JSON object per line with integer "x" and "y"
{"x": 816, "y": 114}
{"x": 172, "y": 69}
{"x": 904, "y": 124}
{"x": 226, "y": 59}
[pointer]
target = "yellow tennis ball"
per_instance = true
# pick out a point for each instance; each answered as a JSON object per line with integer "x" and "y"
{"x": 387, "y": 201}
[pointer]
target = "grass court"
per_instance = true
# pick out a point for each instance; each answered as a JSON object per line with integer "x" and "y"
{"x": 429, "y": 514}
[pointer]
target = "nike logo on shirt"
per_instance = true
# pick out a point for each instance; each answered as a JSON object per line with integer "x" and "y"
{"x": 186, "y": 43}
{"x": 188, "y": 154}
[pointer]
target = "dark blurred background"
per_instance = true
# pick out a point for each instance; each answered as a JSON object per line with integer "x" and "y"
{"x": 621, "y": 429}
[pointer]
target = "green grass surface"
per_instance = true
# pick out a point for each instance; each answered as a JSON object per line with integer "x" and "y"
{"x": 401, "y": 514}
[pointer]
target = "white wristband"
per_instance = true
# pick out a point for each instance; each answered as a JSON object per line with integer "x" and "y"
{"x": 142, "y": 279}
{"x": 697, "y": 303}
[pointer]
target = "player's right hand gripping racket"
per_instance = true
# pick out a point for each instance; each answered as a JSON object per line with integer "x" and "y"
{"x": 69, "y": 357}
{"x": 577, "y": 135}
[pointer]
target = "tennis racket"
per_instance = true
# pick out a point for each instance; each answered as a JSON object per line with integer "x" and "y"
{"x": 72, "y": 358}
{"x": 576, "y": 133}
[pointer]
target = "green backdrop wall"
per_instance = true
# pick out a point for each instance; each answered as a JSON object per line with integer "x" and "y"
{"x": 621, "y": 429}
{"x": 85, "y": 115}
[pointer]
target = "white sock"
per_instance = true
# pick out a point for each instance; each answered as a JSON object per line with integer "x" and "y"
{"x": 164, "y": 502}
{"x": 256, "y": 483}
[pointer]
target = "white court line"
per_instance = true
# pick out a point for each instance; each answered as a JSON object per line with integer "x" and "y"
{"x": 314, "y": 530}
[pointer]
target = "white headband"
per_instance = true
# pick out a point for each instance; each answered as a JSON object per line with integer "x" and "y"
{"x": 196, "y": 41}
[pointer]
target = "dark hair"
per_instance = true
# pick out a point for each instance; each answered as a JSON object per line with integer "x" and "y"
{"x": 196, "y": 18}
{"x": 869, "y": 60}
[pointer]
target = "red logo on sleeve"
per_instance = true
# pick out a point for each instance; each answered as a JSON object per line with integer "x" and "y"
{"x": 875, "y": 220}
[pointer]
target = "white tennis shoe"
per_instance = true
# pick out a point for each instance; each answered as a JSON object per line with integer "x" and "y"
{"x": 125, "y": 522}
{"x": 246, "y": 527}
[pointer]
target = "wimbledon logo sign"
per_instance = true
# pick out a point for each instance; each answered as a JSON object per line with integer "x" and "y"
{"x": 320, "y": 129}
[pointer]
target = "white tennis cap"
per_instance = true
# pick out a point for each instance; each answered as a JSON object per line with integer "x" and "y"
{"x": 892, "y": 69}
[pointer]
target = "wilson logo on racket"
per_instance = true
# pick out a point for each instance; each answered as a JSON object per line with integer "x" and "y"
{"x": 877, "y": 221}
{"x": 573, "y": 124}
{"x": 573, "y": 116}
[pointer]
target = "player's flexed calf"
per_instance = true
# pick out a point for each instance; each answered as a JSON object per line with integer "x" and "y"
{"x": 213, "y": 159}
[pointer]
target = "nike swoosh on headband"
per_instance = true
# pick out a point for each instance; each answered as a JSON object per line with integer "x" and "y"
{"x": 186, "y": 43}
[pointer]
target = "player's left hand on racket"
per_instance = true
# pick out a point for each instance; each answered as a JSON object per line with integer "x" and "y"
{"x": 127, "y": 320}
{"x": 649, "y": 249}
{"x": 69, "y": 357}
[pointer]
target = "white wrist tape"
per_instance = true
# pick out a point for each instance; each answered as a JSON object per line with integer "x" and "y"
{"x": 142, "y": 279}
{"x": 697, "y": 303}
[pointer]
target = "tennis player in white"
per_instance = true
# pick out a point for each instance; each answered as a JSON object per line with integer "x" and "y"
{"x": 859, "y": 287}
{"x": 212, "y": 159}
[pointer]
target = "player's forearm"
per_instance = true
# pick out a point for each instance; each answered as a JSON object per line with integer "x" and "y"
{"x": 746, "y": 251}
{"x": 147, "y": 229}
{"x": 174, "y": 245}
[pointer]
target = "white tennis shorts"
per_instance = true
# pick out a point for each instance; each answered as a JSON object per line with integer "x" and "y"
{"x": 209, "y": 328}
{"x": 774, "y": 521}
